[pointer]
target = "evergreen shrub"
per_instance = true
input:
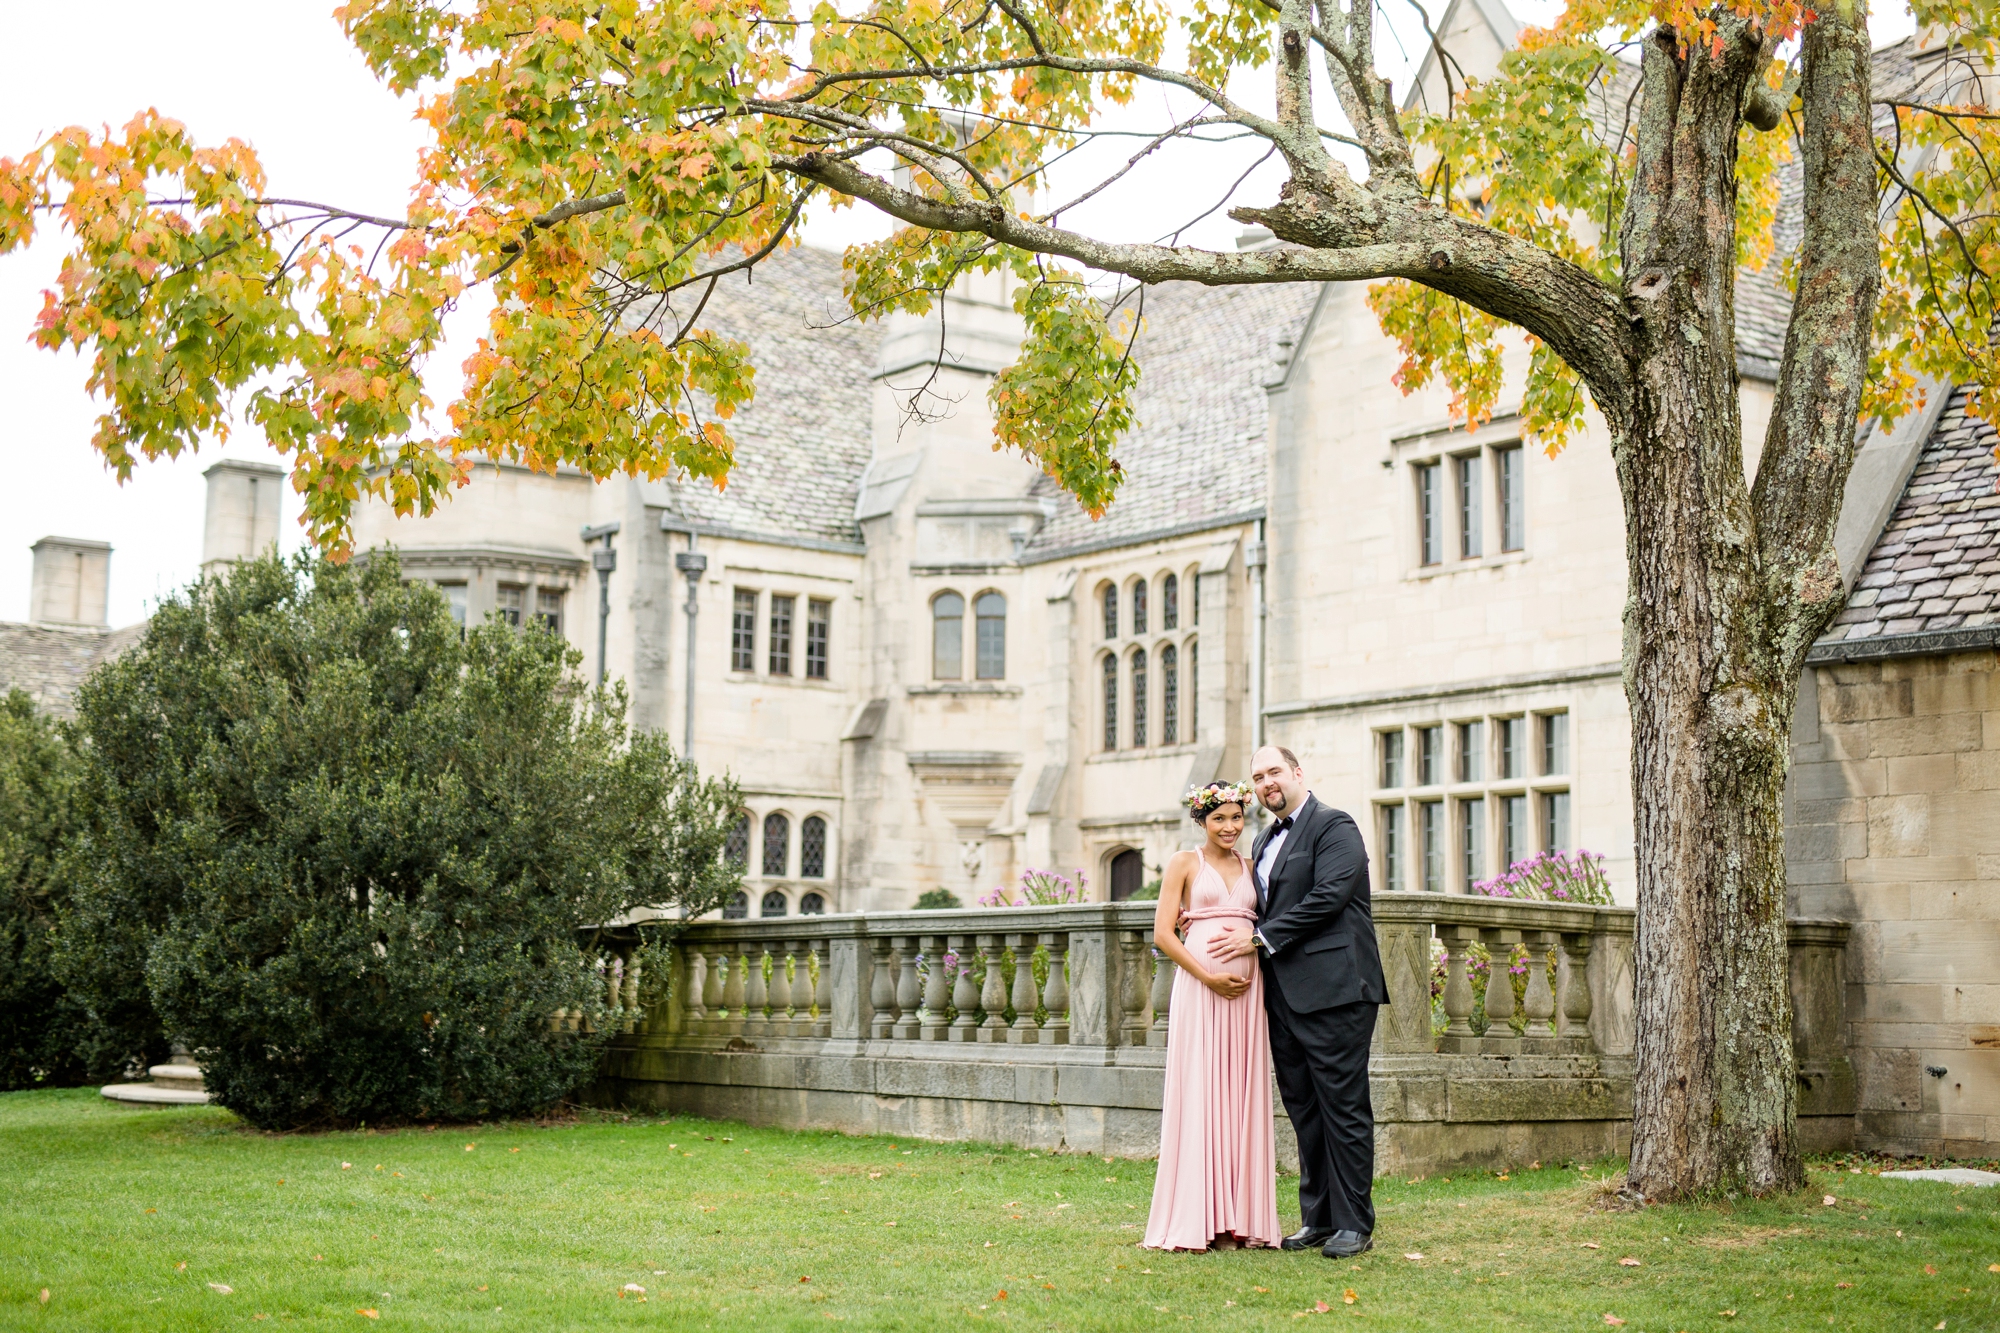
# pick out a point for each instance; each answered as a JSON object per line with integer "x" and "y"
{"x": 42, "y": 1031}
{"x": 351, "y": 854}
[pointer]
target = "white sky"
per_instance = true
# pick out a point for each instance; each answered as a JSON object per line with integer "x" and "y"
{"x": 278, "y": 74}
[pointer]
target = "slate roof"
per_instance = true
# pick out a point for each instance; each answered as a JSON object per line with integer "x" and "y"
{"x": 50, "y": 661}
{"x": 803, "y": 442}
{"x": 1197, "y": 454}
{"x": 1936, "y": 565}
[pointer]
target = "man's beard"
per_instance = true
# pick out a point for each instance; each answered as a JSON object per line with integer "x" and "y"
{"x": 1275, "y": 801}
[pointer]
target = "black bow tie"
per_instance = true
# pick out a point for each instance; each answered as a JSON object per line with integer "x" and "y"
{"x": 1282, "y": 824}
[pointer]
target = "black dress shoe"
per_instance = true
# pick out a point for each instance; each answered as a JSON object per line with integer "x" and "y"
{"x": 1307, "y": 1238}
{"x": 1347, "y": 1244}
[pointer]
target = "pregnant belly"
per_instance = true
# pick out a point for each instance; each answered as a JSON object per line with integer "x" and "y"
{"x": 1201, "y": 932}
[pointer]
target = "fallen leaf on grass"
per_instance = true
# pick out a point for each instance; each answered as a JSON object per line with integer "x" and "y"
{"x": 1414, "y": 1257}
{"x": 369, "y": 1314}
{"x": 1729, "y": 1314}
{"x": 804, "y": 1278}
{"x": 1843, "y": 1285}
{"x": 1265, "y": 1289}
{"x": 1348, "y": 1297}
{"x": 1590, "y": 1245}
{"x": 181, "y": 1265}
{"x": 991, "y": 1243}
{"x": 1929, "y": 1271}
{"x": 347, "y": 1166}
{"x": 1628, "y": 1262}
{"x": 636, "y": 1289}
{"x": 1613, "y": 1320}
{"x": 1829, "y": 1201}
{"x": 470, "y": 1146}
{"x": 45, "y": 1295}
{"x": 874, "y": 1175}
{"x": 221, "y": 1288}
{"x": 1001, "y": 1296}
{"x": 1939, "y": 1324}
{"x": 1993, "y": 1268}
{"x": 1321, "y": 1307}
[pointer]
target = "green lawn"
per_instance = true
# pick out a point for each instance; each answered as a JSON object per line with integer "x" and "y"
{"x": 141, "y": 1220}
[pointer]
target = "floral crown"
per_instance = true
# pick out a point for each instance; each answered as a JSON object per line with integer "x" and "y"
{"x": 1204, "y": 797}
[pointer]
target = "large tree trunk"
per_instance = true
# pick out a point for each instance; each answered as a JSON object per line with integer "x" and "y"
{"x": 1727, "y": 589}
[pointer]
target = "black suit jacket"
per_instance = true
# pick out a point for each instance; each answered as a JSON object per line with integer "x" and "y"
{"x": 1316, "y": 918}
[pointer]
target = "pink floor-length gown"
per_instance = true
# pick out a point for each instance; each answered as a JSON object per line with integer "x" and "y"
{"x": 1218, "y": 1164}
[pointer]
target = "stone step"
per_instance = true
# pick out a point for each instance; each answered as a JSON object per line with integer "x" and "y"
{"x": 178, "y": 1075}
{"x": 155, "y": 1094}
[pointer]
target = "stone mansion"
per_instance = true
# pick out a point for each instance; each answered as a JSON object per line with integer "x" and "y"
{"x": 929, "y": 668}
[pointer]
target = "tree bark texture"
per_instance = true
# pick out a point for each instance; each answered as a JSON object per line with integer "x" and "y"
{"x": 1727, "y": 588}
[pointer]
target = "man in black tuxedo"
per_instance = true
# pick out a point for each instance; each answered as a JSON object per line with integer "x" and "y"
{"x": 1322, "y": 982}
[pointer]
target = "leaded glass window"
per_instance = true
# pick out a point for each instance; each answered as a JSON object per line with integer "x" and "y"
{"x": 812, "y": 848}
{"x": 777, "y": 839}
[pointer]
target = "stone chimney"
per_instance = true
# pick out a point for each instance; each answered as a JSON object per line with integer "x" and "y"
{"x": 242, "y": 521}
{"x": 72, "y": 578}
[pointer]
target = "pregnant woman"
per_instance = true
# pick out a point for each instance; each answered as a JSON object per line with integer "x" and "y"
{"x": 1217, "y": 1182}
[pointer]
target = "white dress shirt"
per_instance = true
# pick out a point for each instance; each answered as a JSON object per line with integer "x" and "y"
{"x": 1267, "y": 861}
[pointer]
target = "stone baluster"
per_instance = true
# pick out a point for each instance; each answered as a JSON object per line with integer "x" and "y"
{"x": 695, "y": 1016}
{"x": 964, "y": 995}
{"x": 1458, "y": 1035}
{"x": 993, "y": 990}
{"x": 1055, "y": 994}
{"x": 822, "y": 990}
{"x": 727, "y": 987}
{"x": 1163, "y": 998}
{"x": 1500, "y": 1038}
{"x": 757, "y": 993}
{"x": 1538, "y": 1003}
{"x": 936, "y": 1026}
{"x": 1575, "y": 973}
{"x": 882, "y": 988}
{"x": 1138, "y": 968}
{"x": 909, "y": 988}
{"x": 1025, "y": 1030}
{"x": 634, "y": 1020}
{"x": 783, "y": 989}
{"x": 674, "y": 993}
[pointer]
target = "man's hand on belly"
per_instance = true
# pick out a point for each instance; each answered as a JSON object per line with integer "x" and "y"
{"x": 1231, "y": 944}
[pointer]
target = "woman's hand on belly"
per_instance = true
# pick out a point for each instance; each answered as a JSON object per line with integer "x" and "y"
{"x": 1228, "y": 985}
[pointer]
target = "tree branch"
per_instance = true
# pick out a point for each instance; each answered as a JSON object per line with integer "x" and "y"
{"x": 1809, "y": 445}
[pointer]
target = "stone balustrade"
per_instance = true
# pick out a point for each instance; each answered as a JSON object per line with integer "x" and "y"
{"x": 1047, "y": 1027}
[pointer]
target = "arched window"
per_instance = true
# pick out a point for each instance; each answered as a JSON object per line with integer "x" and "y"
{"x": 1170, "y": 602}
{"x": 812, "y": 848}
{"x": 1194, "y": 597}
{"x": 736, "y": 849}
{"x": 947, "y": 637}
{"x": 1170, "y": 693}
{"x": 1110, "y": 702}
{"x": 737, "y": 907}
{"x": 990, "y": 615}
{"x": 1139, "y": 607}
{"x": 774, "y": 905}
{"x": 1194, "y": 689}
{"x": 812, "y": 904}
{"x": 777, "y": 839}
{"x": 1139, "y": 698}
{"x": 1128, "y": 875}
{"x": 1110, "y": 610}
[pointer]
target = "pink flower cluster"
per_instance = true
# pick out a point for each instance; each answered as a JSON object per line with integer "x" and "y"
{"x": 1038, "y": 888}
{"x": 1552, "y": 877}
